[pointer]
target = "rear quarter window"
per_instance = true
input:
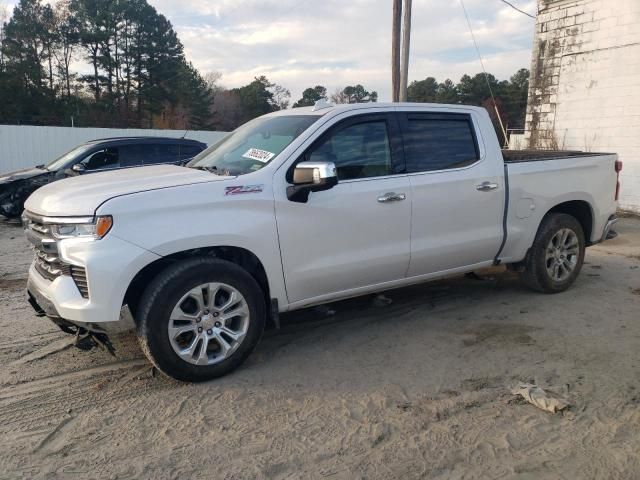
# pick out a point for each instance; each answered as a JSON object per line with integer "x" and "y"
{"x": 189, "y": 151}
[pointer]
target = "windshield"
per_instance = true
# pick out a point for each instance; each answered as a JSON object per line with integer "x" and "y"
{"x": 64, "y": 159}
{"x": 253, "y": 145}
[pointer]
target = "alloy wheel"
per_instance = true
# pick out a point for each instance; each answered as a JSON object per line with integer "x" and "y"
{"x": 208, "y": 323}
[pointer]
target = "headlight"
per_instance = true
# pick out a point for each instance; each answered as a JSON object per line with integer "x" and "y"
{"x": 92, "y": 227}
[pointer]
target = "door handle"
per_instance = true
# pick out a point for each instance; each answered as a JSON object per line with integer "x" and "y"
{"x": 391, "y": 197}
{"x": 486, "y": 186}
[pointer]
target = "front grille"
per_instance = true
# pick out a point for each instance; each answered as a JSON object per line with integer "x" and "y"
{"x": 47, "y": 260}
{"x": 50, "y": 269}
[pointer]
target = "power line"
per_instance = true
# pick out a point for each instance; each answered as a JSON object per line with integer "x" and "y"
{"x": 486, "y": 76}
{"x": 517, "y": 9}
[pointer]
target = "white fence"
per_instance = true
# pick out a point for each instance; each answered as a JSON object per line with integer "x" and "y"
{"x": 23, "y": 146}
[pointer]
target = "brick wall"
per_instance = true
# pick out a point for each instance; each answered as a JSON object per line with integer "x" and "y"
{"x": 585, "y": 82}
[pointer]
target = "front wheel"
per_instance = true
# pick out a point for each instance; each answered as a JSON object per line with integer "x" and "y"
{"x": 556, "y": 256}
{"x": 201, "y": 318}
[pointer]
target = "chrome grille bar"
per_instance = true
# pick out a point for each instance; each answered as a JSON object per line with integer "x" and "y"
{"x": 47, "y": 260}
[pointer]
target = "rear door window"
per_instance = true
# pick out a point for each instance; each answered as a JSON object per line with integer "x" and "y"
{"x": 162, "y": 153}
{"x": 189, "y": 151}
{"x": 134, "y": 155}
{"x": 438, "y": 141}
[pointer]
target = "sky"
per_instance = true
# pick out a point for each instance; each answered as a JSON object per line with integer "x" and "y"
{"x": 334, "y": 43}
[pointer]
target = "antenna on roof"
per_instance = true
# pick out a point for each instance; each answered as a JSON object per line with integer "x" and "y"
{"x": 321, "y": 105}
{"x": 184, "y": 135}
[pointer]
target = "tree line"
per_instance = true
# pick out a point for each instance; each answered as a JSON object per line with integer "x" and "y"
{"x": 119, "y": 63}
{"x": 510, "y": 96}
{"x": 133, "y": 71}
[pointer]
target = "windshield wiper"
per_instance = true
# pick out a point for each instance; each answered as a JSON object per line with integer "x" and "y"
{"x": 211, "y": 169}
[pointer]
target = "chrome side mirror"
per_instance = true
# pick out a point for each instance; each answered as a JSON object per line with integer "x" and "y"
{"x": 311, "y": 177}
{"x": 76, "y": 169}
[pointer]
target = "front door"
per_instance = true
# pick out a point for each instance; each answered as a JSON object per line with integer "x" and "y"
{"x": 357, "y": 234}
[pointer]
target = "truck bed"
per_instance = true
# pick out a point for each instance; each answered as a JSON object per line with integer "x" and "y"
{"x": 518, "y": 156}
{"x": 536, "y": 185}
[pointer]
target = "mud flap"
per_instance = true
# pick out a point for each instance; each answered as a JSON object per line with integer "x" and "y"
{"x": 275, "y": 313}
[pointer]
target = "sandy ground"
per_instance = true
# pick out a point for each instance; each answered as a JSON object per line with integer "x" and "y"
{"x": 416, "y": 389}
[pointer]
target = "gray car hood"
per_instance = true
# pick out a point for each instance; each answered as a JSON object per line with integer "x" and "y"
{"x": 22, "y": 174}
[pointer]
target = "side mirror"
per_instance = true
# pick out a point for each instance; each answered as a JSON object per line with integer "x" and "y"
{"x": 311, "y": 177}
{"x": 77, "y": 169}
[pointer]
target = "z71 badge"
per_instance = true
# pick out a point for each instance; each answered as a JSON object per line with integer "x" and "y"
{"x": 243, "y": 189}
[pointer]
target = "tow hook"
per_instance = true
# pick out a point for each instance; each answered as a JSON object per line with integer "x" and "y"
{"x": 86, "y": 340}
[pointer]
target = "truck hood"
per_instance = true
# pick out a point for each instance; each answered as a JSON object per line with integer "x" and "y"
{"x": 82, "y": 195}
{"x": 22, "y": 174}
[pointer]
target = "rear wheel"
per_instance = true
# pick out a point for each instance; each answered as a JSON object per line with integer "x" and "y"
{"x": 201, "y": 318}
{"x": 556, "y": 256}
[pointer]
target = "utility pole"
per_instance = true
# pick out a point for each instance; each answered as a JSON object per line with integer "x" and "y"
{"x": 406, "y": 40}
{"x": 395, "y": 50}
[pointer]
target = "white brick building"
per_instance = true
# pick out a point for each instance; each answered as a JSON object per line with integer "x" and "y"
{"x": 585, "y": 82}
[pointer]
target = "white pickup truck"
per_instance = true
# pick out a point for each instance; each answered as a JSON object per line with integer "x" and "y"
{"x": 303, "y": 207}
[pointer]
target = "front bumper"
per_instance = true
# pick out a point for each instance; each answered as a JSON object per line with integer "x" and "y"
{"x": 44, "y": 306}
{"x": 110, "y": 265}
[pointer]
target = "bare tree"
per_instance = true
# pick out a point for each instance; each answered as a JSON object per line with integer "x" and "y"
{"x": 281, "y": 97}
{"x": 4, "y": 18}
{"x": 338, "y": 96}
{"x": 212, "y": 79}
{"x": 66, "y": 38}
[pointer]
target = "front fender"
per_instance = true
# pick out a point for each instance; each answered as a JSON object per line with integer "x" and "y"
{"x": 178, "y": 219}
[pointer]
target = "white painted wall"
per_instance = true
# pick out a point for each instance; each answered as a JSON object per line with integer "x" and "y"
{"x": 517, "y": 141}
{"x": 585, "y": 83}
{"x": 23, "y": 146}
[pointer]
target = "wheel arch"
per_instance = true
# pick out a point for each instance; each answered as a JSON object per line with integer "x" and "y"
{"x": 237, "y": 255}
{"x": 581, "y": 210}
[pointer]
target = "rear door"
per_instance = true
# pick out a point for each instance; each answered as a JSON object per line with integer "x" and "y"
{"x": 457, "y": 192}
{"x": 348, "y": 237}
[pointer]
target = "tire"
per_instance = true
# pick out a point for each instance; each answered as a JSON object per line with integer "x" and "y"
{"x": 540, "y": 272}
{"x": 170, "y": 297}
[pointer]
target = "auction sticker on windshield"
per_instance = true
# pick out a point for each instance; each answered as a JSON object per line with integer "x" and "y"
{"x": 259, "y": 155}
